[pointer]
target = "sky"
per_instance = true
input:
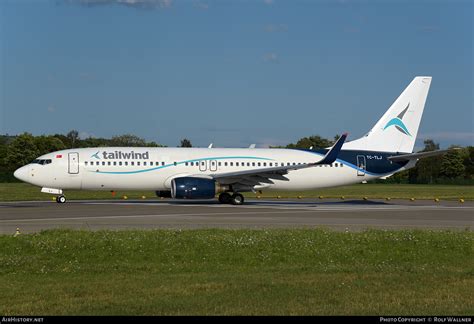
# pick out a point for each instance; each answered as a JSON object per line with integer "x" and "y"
{"x": 232, "y": 72}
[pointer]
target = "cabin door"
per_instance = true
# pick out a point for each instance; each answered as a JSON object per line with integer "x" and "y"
{"x": 73, "y": 163}
{"x": 361, "y": 165}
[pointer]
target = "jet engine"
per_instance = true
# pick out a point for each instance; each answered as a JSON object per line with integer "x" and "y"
{"x": 195, "y": 188}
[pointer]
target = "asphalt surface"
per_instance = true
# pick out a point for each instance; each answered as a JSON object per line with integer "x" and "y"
{"x": 350, "y": 215}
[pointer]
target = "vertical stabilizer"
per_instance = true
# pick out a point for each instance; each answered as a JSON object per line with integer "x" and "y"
{"x": 396, "y": 131}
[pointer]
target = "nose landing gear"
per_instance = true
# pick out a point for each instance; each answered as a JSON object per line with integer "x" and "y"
{"x": 60, "y": 199}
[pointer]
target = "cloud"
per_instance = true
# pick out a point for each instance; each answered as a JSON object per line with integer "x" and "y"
{"x": 142, "y": 4}
{"x": 268, "y": 2}
{"x": 272, "y": 28}
{"x": 200, "y": 5}
{"x": 51, "y": 109}
{"x": 270, "y": 57}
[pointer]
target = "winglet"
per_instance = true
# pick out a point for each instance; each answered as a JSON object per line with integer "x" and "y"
{"x": 332, "y": 154}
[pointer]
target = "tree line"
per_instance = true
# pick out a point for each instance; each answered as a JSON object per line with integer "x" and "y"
{"x": 456, "y": 167}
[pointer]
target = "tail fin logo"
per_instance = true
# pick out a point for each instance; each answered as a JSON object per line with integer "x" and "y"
{"x": 398, "y": 122}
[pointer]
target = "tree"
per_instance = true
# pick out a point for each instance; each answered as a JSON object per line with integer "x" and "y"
{"x": 185, "y": 143}
{"x": 452, "y": 165}
{"x": 46, "y": 144}
{"x": 127, "y": 140}
{"x": 72, "y": 136}
{"x": 469, "y": 163}
{"x": 315, "y": 141}
{"x": 426, "y": 170}
{"x": 21, "y": 151}
{"x": 430, "y": 145}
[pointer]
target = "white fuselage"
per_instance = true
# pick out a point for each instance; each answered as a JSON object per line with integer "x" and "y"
{"x": 147, "y": 168}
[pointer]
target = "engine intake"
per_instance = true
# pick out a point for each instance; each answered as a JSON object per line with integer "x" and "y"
{"x": 195, "y": 188}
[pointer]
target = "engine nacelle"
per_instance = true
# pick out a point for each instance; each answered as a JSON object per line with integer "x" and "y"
{"x": 195, "y": 188}
{"x": 163, "y": 194}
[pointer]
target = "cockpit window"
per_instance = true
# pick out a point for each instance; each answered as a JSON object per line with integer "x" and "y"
{"x": 41, "y": 161}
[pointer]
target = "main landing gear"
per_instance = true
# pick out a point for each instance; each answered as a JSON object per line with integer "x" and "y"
{"x": 235, "y": 199}
{"x": 60, "y": 199}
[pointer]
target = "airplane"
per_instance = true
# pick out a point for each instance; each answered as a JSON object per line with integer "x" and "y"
{"x": 203, "y": 173}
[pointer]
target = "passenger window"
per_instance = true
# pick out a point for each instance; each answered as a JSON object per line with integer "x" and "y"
{"x": 259, "y": 164}
{"x": 97, "y": 163}
{"x": 231, "y": 163}
{"x": 132, "y": 163}
{"x": 103, "y": 162}
{"x": 186, "y": 163}
{"x": 120, "y": 163}
{"x": 236, "y": 163}
{"x": 253, "y": 163}
{"x": 174, "y": 163}
{"x": 85, "y": 162}
{"x": 264, "y": 163}
{"x": 126, "y": 162}
{"x": 162, "y": 163}
{"x": 225, "y": 163}
{"x": 138, "y": 163}
{"x": 271, "y": 164}
{"x": 109, "y": 163}
{"x": 248, "y": 163}
{"x": 219, "y": 163}
{"x": 144, "y": 163}
{"x": 115, "y": 162}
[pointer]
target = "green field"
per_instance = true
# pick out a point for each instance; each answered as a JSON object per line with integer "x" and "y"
{"x": 232, "y": 272}
{"x": 22, "y": 191}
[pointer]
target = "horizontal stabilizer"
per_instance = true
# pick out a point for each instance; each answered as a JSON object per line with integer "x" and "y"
{"x": 417, "y": 156}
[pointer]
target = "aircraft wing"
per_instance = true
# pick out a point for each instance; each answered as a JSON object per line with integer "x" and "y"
{"x": 266, "y": 175}
{"x": 417, "y": 156}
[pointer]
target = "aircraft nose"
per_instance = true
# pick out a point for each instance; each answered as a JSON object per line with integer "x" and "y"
{"x": 22, "y": 173}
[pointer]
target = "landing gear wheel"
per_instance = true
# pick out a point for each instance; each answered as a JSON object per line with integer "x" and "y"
{"x": 224, "y": 198}
{"x": 237, "y": 199}
{"x": 61, "y": 199}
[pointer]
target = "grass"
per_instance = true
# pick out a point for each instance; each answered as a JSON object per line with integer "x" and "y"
{"x": 237, "y": 272}
{"x": 23, "y": 191}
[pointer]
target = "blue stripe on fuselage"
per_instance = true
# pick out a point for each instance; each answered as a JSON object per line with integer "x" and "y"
{"x": 378, "y": 165}
{"x": 182, "y": 162}
{"x": 346, "y": 157}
